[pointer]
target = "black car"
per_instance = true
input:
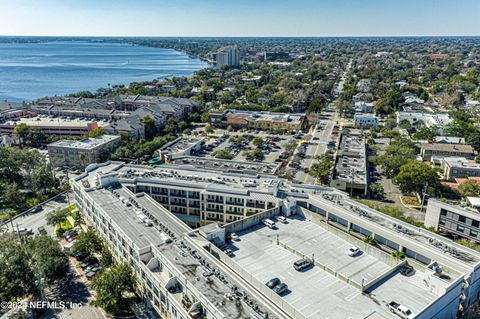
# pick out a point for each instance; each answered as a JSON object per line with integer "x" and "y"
{"x": 407, "y": 270}
{"x": 89, "y": 261}
{"x": 273, "y": 282}
{"x": 81, "y": 256}
{"x": 281, "y": 288}
{"x": 41, "y": 230}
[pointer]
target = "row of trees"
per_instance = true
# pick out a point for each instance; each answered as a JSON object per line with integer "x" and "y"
{"x": 24, "y": 262}
{"x": 25, "y": 178}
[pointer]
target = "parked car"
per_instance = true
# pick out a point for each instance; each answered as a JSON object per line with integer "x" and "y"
{"x": 41, "y": 230}
{"x": 280, "y": 289}
{"x": 400, "y": 310}
{"x": 302, "y": 264}
{"x": 228, "y": 252}
{"x": 272, "y": 283}
{"x": 282, "y": 219}
{"x": 81, "y": 256}
{"x": 89, "y": 261}
{"x": 269, "y": 223}
{"x": 234, "y": 236}
{"x": 90, "y": 274}
{"x": 36, "y": 209}
{"x": 353, "y": 251}
{"x": 407, "y": 270}
{"x": 24, "y": 231}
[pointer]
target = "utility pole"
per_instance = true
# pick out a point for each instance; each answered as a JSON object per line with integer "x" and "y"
{"x": 423, "y": 195}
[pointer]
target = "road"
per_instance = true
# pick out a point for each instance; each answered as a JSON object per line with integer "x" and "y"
{"x": 317, "y": 145}
{"x": 321, "y": 134}
{"x": 37, "y": 220}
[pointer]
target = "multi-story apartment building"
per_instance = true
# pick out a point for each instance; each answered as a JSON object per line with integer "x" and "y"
{"x": 227, "y": 56}
{"x": 81, "y": 153}
{"x": 183, "y": 274}
{"x": 460, "y": 221}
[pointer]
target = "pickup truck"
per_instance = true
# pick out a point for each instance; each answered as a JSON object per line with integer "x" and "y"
{"x": 400, "y": 310}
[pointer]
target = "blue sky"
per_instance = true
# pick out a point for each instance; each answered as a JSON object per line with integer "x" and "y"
{"x": 239, "y": 18}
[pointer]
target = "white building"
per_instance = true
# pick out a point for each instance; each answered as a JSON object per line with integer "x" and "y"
{"x": 365, "y": 120}
{"x": 228, "y": 56}
{"x": 178, "y": 266}
{"x": 422, "y": 119}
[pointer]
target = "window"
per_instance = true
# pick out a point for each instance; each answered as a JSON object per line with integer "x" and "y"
{"x": 462, "y": 219}
{"x": 475, "y": 223}
{"x": 442, "y": 221}
{"x": 443, "y": 212}
{"x": 473, "y": 233}
{"x": 460, "y": 228}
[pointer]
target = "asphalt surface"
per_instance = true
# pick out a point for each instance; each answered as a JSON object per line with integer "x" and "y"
{"x": 316, "y": 146}
{"x": 37, "y": 220}
{"x": 321, "y": 135}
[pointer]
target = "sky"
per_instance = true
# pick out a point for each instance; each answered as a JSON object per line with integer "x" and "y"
{"x": 239, "y": 18}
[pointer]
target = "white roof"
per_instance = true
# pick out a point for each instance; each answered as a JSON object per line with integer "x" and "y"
{"x": 474, "y": 201}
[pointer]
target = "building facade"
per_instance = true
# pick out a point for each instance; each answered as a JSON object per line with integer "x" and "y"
{"x": 176, "y": 265}
{"x": 81, "y": 153}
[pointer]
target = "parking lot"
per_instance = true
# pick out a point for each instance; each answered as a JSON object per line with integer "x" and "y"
{"x": 315, "y": 292}
{"x": 238, "y": 143}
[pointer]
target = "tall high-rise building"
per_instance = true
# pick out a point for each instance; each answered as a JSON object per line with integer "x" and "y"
{"x": 228, "y": 55}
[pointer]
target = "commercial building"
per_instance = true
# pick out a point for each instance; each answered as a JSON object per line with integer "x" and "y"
{"x": 285, "y": 122}
{"x": 365, "y": 120}
{"x": 350, "y": 171}
{"x": 81, "y": 153}
{"x": 428, "y": 150}
{"x": 454, "y": 220}
{"x": 460, "y": 168}
{"x": 183, "y": 273}
{"x": 182, "y": 146}
{"x": 54, "y": 126}
{"x": 227, "y": 56}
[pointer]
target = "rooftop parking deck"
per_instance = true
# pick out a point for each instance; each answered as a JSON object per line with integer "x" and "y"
{"x": 315, "y": 292}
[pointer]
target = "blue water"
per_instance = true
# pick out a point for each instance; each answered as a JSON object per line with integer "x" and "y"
{"x": 32, "y": 70}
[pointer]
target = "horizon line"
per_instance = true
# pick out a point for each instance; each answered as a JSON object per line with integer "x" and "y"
{"x": 243, "y": 36}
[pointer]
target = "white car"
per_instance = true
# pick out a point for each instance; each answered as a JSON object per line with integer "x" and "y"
{"x": 234, "y": 236}
{"x": 282, "y": 219}
{"x": 353, "y": 251}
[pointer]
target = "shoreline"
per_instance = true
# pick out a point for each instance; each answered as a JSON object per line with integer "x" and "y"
{"x": 6, "y": 98}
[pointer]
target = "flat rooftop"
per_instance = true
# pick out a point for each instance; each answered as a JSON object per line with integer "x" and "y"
{"x": 181, "y": 144}
{"x": 176, "y": 251}
{"x": 44, "y": 121}
{"x": 315, "y": 292}
{"x": 86, "y": 144}
{"x": 261, "y": 185}
{"x": 227, "y": 165}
